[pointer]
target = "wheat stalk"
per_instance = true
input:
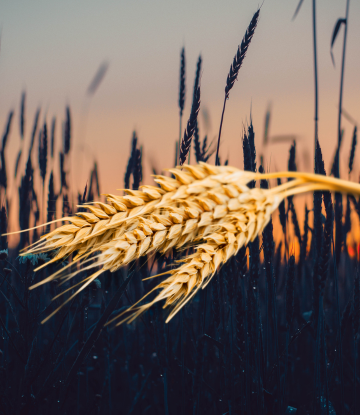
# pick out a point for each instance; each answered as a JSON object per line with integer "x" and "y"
{"x": 210, "y": 206}
{"x": 234, "y": 69}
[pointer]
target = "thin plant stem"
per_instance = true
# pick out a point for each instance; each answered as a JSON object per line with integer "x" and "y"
{"x": 325, "y": 367}
{"x": 231, "y": 360}
{"x": 43, "y": 203}
{"x": 337, "y": 184}
{"x": 221, "y": 122}
{"x": 317, "y": 376}
{"x": 339, "y": 327}
{"x": 182, "y": 362}
{"x": 166, "y": 374}
{"x": 166, "y": 402}
{"x": 315, "y": 75}
{"x": 286, "y": 374}
{"x": 342, "y": 75}
{"x": 247, "y": 352}
{"x": 355, "y": 363}
{"x": 179, "y": 137}
{"x": 338, "y": 197}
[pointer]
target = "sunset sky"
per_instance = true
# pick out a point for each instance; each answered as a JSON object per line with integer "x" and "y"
{"x": 52, "y": 49}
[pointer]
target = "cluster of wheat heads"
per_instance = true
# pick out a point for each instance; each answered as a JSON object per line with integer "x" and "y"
{"x": 211, "y": 208}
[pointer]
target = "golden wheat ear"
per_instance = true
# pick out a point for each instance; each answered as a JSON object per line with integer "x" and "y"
{"x": 125, "y": 228}
{"x": 210, "y": 208}
{"x": 246, "y": 216}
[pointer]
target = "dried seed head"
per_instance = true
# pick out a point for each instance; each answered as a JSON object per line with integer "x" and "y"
{"x": 182, "y": 82}
{"x": 240, "y": 54}
{"x": 210, "y": 206}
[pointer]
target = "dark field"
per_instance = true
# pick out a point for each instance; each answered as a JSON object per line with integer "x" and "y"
{"x": 260, "y": 338}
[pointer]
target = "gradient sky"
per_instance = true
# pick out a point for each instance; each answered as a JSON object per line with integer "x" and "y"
{"x": 52, "y": 49}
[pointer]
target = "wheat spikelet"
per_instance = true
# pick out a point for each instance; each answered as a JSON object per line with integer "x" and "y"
{"x": 243, "y": 217}
{"x": 247, "y": 215}
{"x": 210, "y": 206}
{"x": 240, "y": 54}
{"x": 131, "y": 226}
{"x": 151, "y": 207}
{"x": 190, "y": 128}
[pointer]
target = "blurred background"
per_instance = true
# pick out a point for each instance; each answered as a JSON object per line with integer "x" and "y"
{"x": 52, "y": 50}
